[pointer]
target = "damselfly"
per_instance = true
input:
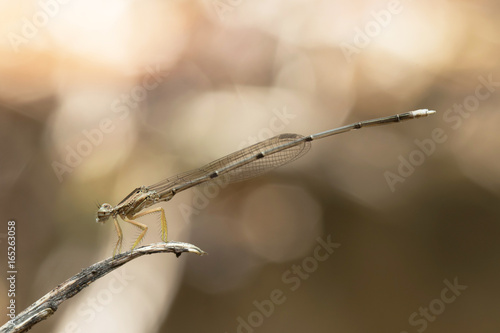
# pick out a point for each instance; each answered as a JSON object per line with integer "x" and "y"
{"x": 240, "y": 165}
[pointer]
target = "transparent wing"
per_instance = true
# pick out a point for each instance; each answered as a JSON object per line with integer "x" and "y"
{"x": 252, "y": 169}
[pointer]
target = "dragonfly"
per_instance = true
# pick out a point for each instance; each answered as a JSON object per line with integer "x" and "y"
{"x": 241, "y": 165}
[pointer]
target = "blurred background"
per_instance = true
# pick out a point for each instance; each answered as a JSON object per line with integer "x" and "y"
{"x": 388, "y": 229}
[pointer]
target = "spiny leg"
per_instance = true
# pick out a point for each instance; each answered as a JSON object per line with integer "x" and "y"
{"x": 163, "y": 220}
{"x": 140, "y": 226}
{"x": 118, "y": 245}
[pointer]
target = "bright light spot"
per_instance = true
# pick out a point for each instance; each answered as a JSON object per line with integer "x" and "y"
{"x": 93, "y": 28}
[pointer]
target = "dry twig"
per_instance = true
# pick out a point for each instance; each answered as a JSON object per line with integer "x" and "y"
{"x": 48, "y": 304}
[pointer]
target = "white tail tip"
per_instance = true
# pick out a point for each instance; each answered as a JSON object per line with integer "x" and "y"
{"x": 423, "y": 113}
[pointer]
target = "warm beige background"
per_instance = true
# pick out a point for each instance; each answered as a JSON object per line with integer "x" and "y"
{"x": 227, "y": 72}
